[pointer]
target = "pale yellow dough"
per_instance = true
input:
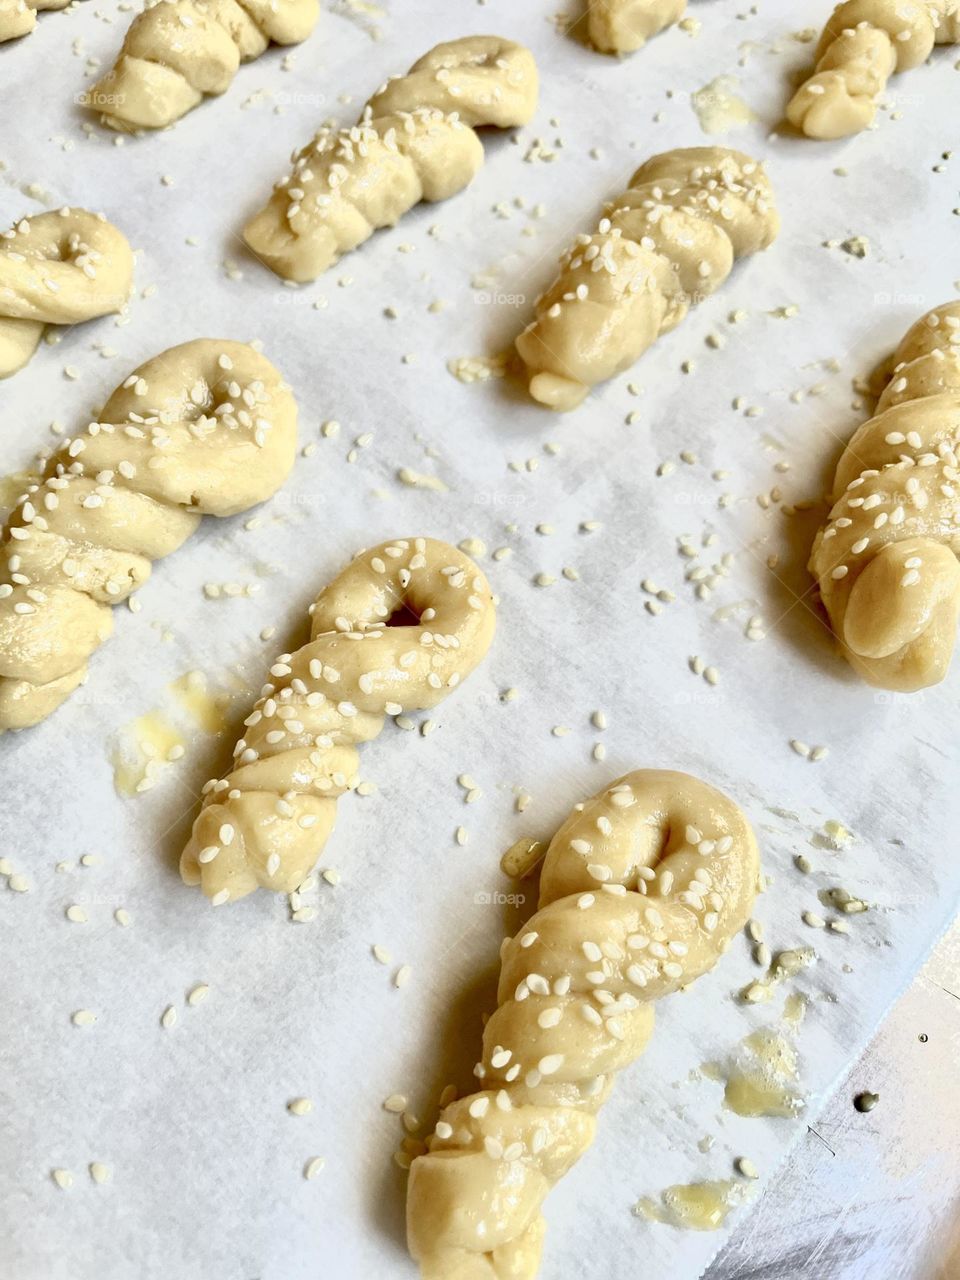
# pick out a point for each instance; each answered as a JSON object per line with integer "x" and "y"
{"x": 19, "y": 17}
{"x": 266, "y": 823}
{"x": 862, "y": 45}
{"x": 886, "y": 561}
{"x": 177, "y": 52}
{"x": 642, "y": 889}
{"x": 415, "y": 141}
{"x": 669, "y": 241}
{"x": 62, "y": 267}
{"x": 206, "y": 428}
{"x": 622, "y": 26}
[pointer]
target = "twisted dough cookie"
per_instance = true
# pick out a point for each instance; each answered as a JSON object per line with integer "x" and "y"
{"x": 669, "y": 241}
{"x": 206, "y": 428}
{"x": 886, "y": 560}
{"x": 642, "y": 889}
{"x": 621, "y": 26}
{"x": 19, "y": 17}
{"x": 862, "y": 45}
{"x": 415, "y": 141}
{"x": 400, "y": 627}
{"x": 58, "y": 268}
{"x": 178, "y": 51}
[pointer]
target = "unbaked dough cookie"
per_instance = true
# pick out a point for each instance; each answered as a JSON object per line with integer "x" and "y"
{"x": 862, "y": 45}
{"x": 886, "y": 561}
{"x": 401, "y": 627}
{"x": 621, "y": 26}
{"x": 179, "y": 51}
{"x": 415, "y": 141}
{"x": 642, "y": 890}
{"x": 665, "y": 244}
{"x": 206, "y": 428}
{"x": 19, "y": 17}
{"x": 63, "y": 267}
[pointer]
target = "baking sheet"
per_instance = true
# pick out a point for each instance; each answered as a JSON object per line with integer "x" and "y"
{"x": 206, "y": 1161}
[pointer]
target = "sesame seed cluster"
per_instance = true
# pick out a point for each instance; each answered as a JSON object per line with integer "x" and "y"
{"x": 642, "y": 889}
{"x": 63, "y": 267}
{"x": 415, "y": 141}
{"x": 206, "y": 428}
{"x": 860, "y": 48}
{"x": 886, "y": 561}
{"x": 670, "y": 240}
{"x": 265, "y": 824}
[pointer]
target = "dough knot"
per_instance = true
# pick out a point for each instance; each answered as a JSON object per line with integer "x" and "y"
{"x": 860, "y": 48}
{"x": 622, "y": 26}
{"x": 401, "y": 627}
{"x": 415, "y": 141}
{"x": 886, "y": 560}
{"x": 178, "y": 51}
{"x": 63, "y": 267}
{"x": 206, "y": 428}
{"x": 667, "y": 242}
{"x": 642, "y": 889}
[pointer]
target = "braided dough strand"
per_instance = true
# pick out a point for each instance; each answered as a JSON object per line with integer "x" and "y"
{"x": 622, "y": 26}
{"x": 862, "y": 45}
{"x": 19, "y": 17}
{"x": 63, "y": 267}
{"x": 886, "y": 561}
{"x": 415, "y": 141}
{"x": 642, "y": 889}
{"x": 668, "y": 241}
{"x": 178, "y": 51}
{"x": 206, "y": 428}
{"x": 266, "y": 823}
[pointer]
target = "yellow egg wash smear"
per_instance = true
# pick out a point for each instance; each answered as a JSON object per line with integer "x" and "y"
{"x": 157, "y": 739}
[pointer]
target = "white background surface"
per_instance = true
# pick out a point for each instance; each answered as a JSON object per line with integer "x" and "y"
{"x": 207, "y": 1163}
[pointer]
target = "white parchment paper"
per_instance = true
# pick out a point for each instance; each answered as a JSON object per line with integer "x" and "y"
{"x": 207, "y": 1162}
